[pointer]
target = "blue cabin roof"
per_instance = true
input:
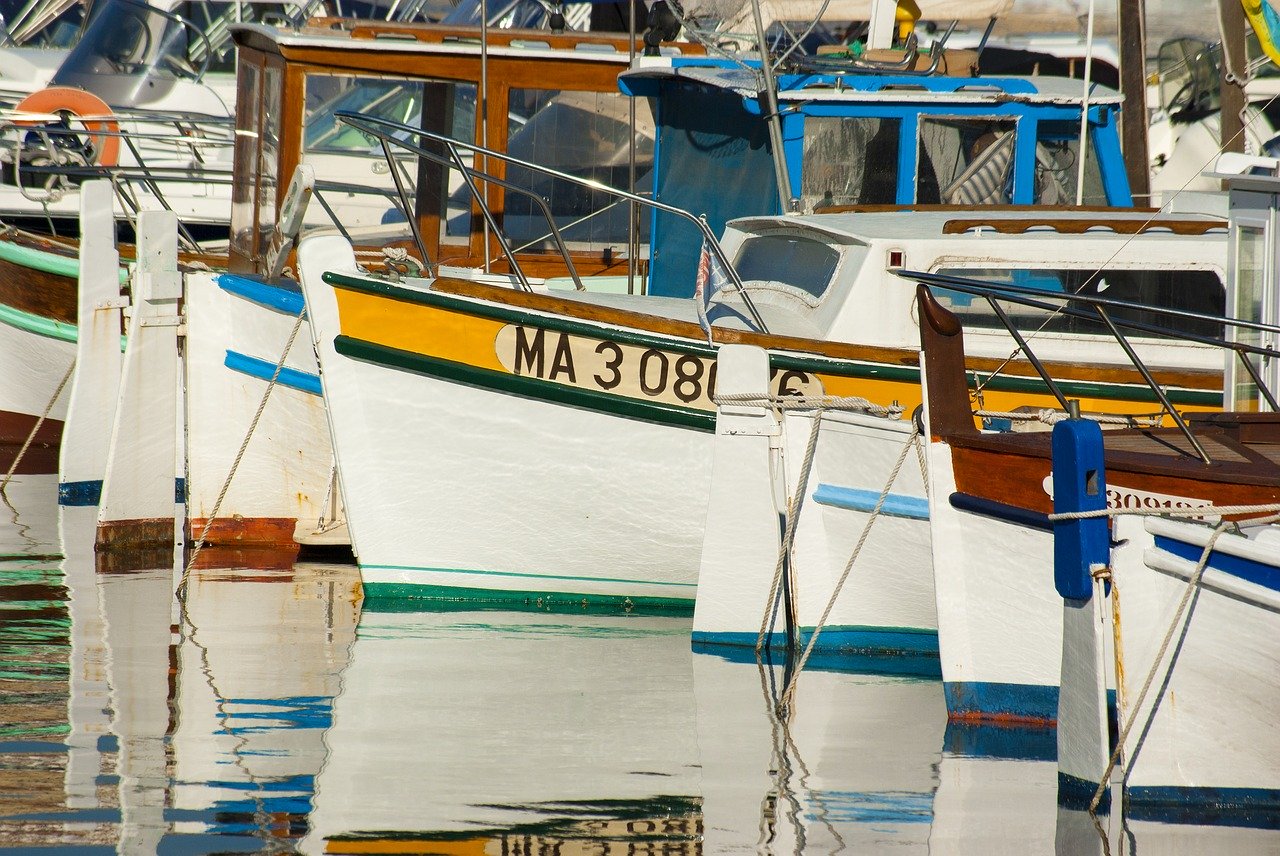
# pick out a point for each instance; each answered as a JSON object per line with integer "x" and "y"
{"x": 864, "y": 139}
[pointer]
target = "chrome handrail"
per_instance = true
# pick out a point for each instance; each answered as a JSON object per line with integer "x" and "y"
{"x": 390, "y": 133}
{"x": 993, "y": 291}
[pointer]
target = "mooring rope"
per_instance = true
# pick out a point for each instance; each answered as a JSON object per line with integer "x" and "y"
{"x": 811, "y": 402}
{"x": 912, "y": 440}
{"x": 789, "y": 526}
{"x": 1050, "y": 416}
{"x": 57, "y": 393}
{"x": 1195, "y": 511}
{"x": 244, "y": 444}
{"x": 1192, "y": 584}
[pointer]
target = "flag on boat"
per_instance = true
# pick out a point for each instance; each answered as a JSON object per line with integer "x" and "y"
{"x": 1266, "y": 26}
{"x": 711, "y": 278}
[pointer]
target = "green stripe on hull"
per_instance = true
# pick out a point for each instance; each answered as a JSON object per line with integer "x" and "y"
{"x": 413, "y": 597}
{"x": 46, "y": 262}
{"x": 38, "y": 324}
{"x": 600, "y": 402}
{"x": 782, "y": 361}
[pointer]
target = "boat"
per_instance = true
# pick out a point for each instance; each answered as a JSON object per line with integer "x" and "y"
{"x": 990, "y": 493}
{"x": 241, "y": 312}
{"x": 527, "y": 387}
{"x": 1177, "y": 609}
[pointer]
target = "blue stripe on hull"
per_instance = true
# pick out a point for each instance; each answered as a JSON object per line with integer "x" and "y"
{"x": 263, "y": 370}
{"x": 857, "y": 499}
{"x": 1011, "y": 741}
{"x": 81, "y": 493}
{"x": 89, "y": 493}
{"x": 1014, "y": 702}
{"x": 1258, "y": 573}
{"x": 875, "y": 649}
{"x": 285, "y": 298}
{"x": 1000, "y": 511}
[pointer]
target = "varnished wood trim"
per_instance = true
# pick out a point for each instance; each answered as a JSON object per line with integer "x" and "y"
{"x": 1078, "y": 226}
{"x": 833, "y": 350}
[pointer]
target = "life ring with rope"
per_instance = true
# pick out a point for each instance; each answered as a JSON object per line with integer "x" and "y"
{"x": 92, "y": 111}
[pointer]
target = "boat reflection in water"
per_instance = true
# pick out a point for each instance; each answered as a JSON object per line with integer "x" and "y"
{"x": 277, "y": 714}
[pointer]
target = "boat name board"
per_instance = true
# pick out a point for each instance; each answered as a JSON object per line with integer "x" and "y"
{"x": 619, "y": 368}
{"x": 1132, "y": 498}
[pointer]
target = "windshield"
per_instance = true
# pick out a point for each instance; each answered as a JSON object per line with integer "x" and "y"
{"x": 131, "y": 53}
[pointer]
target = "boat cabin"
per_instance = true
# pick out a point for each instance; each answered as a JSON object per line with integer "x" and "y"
{"x": 548, "y": 98}
{"x": 867, "y": 139}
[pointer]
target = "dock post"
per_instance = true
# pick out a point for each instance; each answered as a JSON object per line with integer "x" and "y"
{"x": 740, "y": 547}
{"x": 95, "y": 388}
{"x": 1081, "y": 547}
{"x": 141, "y": 485}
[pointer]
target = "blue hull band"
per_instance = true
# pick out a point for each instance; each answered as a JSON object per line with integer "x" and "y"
{"x": 81, "y": 493}
{"x": 1258, "y": 573}
{"x": 263, "y": 370}
{"x": 857, "y": 499}
{"x": 1001, "y": 511}
{"x": 1014, "y": 742}
{"x": 89, "y": 493}
{"x": 283, "y": 296}
{"x": 1019, "y": 702}
{"x": 1255, "y": 808}
{"x": 837, "y": 640}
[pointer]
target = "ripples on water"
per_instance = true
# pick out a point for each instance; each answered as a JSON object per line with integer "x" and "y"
{"x": 280, "y": 714}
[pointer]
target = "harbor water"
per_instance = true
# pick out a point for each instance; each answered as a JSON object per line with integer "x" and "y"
{"x": 277, "y": 711}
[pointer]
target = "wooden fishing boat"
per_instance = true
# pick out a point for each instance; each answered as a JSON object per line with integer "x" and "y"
{"x": 1180, "y": 615}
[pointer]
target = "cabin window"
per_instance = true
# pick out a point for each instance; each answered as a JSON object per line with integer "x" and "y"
{"x": 586, "y": 135}
{"x": 269, "y": 152}
{"x": 244, "y": 188}
{"x": 1250, "y": 262}
{"x": 1190, "y": 290}
{"x": 352, "y": 173}
{"x": 1057, "y": 171}
{"x": 965, "y": 161}
{"x": 849, "y": 161}
{"x": 792, "y": 260}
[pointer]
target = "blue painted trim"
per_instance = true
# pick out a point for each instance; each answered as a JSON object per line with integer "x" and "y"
{"x": 838, "y": 639}
{"x": 858, "y": 499}
{"x": 81, "y": 493}
{"x": 1001, "y": 511}
{"x": 263, "y": 370}
{"x": 282, "y": 295}
{"x": 1075, "y": 793}
{"x": 1026, "y": 702}
{"x": 1258, "y": 573}
{"x": 89, "y": 493}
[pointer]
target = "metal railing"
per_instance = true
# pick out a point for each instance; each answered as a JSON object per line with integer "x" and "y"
{"x": 1098, "y": 311}
{"x": 394, "y": 135}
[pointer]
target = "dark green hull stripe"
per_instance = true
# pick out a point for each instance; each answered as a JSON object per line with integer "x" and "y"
{"x": 629, "y": 408}
{"x": 846, "y": 368}
{"x": 408, "y": 597}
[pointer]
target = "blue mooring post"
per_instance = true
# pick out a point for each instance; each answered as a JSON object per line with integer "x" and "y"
{"x": 1079, "y": 484}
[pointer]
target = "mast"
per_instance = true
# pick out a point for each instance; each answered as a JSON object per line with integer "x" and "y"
{"x": 1234, "y": 72}
{"x": 1133, "y": 84}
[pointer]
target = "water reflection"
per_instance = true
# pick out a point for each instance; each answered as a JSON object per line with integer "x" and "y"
{"x": 278, "y": 713}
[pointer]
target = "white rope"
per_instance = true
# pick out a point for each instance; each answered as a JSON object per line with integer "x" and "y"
{"x": 789, "y": 527}
{"x": 789, "y": 693}
{"x": 1192, "y": 584}
{"x": 809, "y": 402}
{"x": 35, "y": 429}
{"x": 1196, "y": 511}
{"x": 226, "y": 484}
{"x": 1051, "y": 416}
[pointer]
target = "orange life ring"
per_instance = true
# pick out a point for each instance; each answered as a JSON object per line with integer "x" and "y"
{"x": 93, "y": 112}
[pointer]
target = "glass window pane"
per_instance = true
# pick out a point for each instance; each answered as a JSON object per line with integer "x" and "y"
{"x": 849, "y": 161}
{"x": 1058, "y": 167}
{"x": 1251, "y": 245}
{"x": 244, "y": 188}
{"x": 792, "y": 260}
{"x": 965, "y": 161}
{"x": 587, "y": 135}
